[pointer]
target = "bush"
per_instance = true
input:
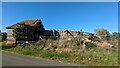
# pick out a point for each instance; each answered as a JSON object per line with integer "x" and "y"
{"x": 3, "y": 37}
{"x": 101, "y": 32}
{"x": 90, "y": 45}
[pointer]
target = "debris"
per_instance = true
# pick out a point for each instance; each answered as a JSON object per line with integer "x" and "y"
{"x": 105, "y": 44}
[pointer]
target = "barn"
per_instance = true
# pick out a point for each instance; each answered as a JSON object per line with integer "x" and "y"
{"x": 31, "y": 36}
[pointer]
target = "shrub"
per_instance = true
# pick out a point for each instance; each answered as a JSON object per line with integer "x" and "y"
{"x": 90, "y": 45}
{"x": 101, "y": 32}
{"x": 3, "y": 37}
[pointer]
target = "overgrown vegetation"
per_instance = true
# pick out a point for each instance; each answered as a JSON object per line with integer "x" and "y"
{"x": 73, "y": 50}
{"x": 96, "y": 56}
{"x": 3, "y": 37}
{"x": 26, "y": 32}
{"x": 101, "y": 32}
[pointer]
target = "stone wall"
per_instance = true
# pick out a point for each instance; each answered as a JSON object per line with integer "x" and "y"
{"x": 10, "y": 38}
{"x": 61, "y": 33}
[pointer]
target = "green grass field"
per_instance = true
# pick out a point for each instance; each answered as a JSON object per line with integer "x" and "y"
{"x": 97, "y": 56}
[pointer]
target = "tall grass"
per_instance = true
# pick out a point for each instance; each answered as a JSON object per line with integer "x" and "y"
{"x": 96, "y": 57}
{"x": 90, "y": 57}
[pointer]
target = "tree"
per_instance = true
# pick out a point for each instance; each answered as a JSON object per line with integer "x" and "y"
{"x": 116, "y": 35}
{"x": 102, "y": 33}
{"x": 3, "y": 37}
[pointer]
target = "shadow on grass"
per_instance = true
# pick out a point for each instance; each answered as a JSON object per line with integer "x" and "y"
{"x": 6, "y": 47}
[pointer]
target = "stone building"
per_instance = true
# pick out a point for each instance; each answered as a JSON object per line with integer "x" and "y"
{"x": 33, "y": 36}
{"x": 61, "y": 34}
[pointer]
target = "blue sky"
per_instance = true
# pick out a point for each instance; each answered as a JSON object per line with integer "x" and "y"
{"x": 63, "y": 15}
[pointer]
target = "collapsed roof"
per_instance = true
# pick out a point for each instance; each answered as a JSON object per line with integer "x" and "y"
{"x": 27, "y": 22}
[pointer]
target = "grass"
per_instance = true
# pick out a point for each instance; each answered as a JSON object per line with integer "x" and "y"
{"x": 53, "y": 54}
{"x": 2, "y": 43}
{"x": 96, "y": 56}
